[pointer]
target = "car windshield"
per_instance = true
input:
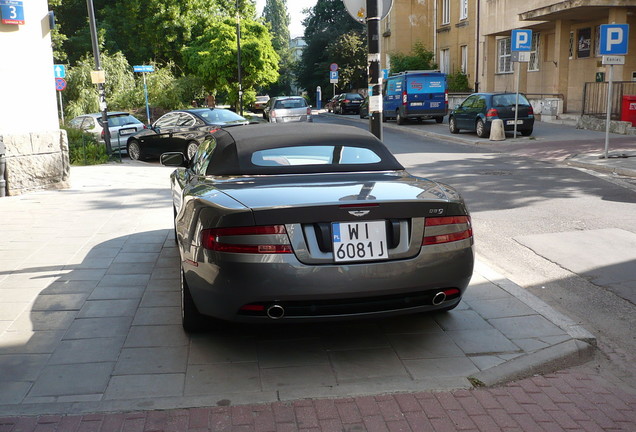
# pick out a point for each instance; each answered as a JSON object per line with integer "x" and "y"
{"x": 314, "y": 155}
{"x": 119, "y": 120}
{"x": 216, "y": 115}
{"x": 290, "y": 103}
{"x": 507, "y": 100}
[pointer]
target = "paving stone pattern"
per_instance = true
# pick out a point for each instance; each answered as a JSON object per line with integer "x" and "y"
{"x": 571, "y": 400}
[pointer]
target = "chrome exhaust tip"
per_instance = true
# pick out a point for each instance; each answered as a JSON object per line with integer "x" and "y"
{"x": 275, "y": 312}
{"x": 439, "y": 298}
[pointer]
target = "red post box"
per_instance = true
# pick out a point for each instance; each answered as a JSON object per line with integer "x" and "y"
{"x": 628, "y": 109}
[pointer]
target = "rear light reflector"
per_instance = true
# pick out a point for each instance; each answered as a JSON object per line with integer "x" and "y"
{"x": 492, "y": 112}
{"x": 214, "y": 130}
{"x": 308, "y": 111}
{"x": 404, "y": 98}
{"x": 212, "y": 239}
{"x": 530, "y": 110}
{"x": 253, "y": 307}
{"x": 448, "y": 229}
{"x": 272, "y": 113}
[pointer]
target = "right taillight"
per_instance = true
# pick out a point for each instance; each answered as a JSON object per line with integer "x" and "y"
{"x": 492, "y": 112}
{"x": 446, "y": 229}
{"x": 270, "y": 239}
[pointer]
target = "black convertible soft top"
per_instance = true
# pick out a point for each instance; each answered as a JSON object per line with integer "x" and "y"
{"x": 235, "y": 146}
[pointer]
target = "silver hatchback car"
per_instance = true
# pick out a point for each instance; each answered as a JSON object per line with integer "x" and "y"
{"x": 120, "y": 124}
{"x": 284, "y": 109}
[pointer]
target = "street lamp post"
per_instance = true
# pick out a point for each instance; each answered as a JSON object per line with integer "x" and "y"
{"x": 238, "y": 56}
{"x": 373, "y": 34}
{"x": 100, "y": 86}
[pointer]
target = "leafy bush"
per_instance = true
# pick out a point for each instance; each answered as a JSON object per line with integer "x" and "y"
{"x": 458, "y": 82}
{"x": 84, "y": 149}
{"x": 419, "y": 59}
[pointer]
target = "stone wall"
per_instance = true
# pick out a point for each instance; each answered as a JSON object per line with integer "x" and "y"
{"x": 36, "y": 160}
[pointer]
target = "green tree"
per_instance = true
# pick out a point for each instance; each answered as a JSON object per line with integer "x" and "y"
{"x": 349, "y": 51}
{"x": 324, "y": 23}
{"x": 418, "y": 59}
{"x": 276, "y": 16}
{"x": 213, "y": 57}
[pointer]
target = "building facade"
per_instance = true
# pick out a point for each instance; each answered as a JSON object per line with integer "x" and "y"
{"x": 474, "y": 36}
{"x": 36, "y": 150}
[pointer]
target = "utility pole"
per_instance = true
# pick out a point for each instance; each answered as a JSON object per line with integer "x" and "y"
{"x": 375, "y": 98}
{"x": 238, "y": 55}
{"x": 98, "y": 66}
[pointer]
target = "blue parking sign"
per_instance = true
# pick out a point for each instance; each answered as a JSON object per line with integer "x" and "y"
{"x": 614, "y": 38}
{"x": 521, "y": 40}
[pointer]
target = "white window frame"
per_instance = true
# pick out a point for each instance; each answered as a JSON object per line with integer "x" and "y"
{"x": 463, "y": 9}
{"x": 464, "y": 58}
{"x": 533, "y": 64}
{"x": 445, "y": 12}
{"x": 444, "y": 60}
{"x": 504, "y": 56}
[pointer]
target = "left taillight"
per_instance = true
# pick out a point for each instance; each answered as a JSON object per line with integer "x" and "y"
{"x": 308, "y": 111}
{"x": 446, "y": 229}
{"x": 270, "y": 239}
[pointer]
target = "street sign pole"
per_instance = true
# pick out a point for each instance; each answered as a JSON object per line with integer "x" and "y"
{"x": 518, "y": 66}
{"x": 59, "y": 95}
{"x": 608, "y": 117}
{"x": 374, "y": 9}
{"x": 146, "y": 95}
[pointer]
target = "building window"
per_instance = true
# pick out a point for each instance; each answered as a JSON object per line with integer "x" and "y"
{"x": 464, "y": 54}
{"x": 445, "y": 12}
{"x": 584, "y": 42}
{"x": 571, "y": 51}
{"x": 533, "y": 64}
{"x": 444, "y": 61}
{"x": 504, "y": 63}
{"x": 463, "y": 9}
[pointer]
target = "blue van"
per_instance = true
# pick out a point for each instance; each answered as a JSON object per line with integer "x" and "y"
{"x": 415, "y": 95}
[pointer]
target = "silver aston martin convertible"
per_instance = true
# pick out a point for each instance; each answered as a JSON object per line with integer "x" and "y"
{"x": 307, "y": 222}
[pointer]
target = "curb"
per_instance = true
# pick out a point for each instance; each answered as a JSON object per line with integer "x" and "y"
{"x": 570, "y": 160}
{"x": 566, "y": 354}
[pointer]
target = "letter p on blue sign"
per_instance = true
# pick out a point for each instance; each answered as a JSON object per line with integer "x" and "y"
{"x": 521, "y": 40}
{"x": 614, "y": 38}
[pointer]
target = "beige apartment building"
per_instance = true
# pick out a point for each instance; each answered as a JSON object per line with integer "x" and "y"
{"x": 474, "y": 36}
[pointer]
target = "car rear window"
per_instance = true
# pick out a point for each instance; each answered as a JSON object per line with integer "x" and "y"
{"x": 119, "y": 120}
{"x": 507, "y": 100}
{"x": 314, "y": 155}
{"x": 290, "y": 103}
{"x": 354, "y": 96}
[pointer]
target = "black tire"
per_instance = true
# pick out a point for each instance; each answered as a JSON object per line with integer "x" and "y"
{"x": 480, "y": 128}
{"x": 191, "y": 149}
{"x": 398, "y": 118}
{"x": 191, "y": 320}
{"x": 439, "y": 119}
{"x": 134, "y": 150}
{"x": 526, "y": 132}
{"x": 452, "y": 125}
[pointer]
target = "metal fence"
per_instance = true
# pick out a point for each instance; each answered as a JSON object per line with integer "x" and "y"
{"x": 595, "y": 97}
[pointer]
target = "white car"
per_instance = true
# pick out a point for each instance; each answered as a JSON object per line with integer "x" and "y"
{"x": 120, "y": 124}
{"x": 284, "y": 109}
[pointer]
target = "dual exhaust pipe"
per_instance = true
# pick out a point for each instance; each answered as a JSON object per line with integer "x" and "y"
{"x": 276, "y": 311}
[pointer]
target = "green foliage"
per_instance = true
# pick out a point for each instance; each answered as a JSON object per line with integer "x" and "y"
{"x": 84, "y": 149}
{"x": 458, "y": 82}
{"x": 418, "y": 59}
{"x": 276, "y": 17}
{"x": 213, "y": 58}
{"x": 349, "y": 51}
{"x": 325, "y": 23}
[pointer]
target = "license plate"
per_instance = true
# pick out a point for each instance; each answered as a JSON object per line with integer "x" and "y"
{"x": 359, "y": 241}
{"x": 511, "y": 122}
{"x": 435, "y": 104}
{"x": 128, "y": 131}
{"x": 416, "y": 103}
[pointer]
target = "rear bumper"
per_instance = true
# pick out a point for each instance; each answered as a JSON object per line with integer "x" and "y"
{"x": 289, "y": 119}
{"x": 223, "y": 283}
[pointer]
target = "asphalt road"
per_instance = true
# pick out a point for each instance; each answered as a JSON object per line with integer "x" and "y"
{"x": 566, "y": 235}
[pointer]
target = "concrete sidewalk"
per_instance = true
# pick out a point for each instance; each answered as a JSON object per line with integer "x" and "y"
{"x": 90, "y": 340}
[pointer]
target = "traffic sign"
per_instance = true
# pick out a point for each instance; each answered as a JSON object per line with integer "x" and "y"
{"x": 333, "y": 77}
{"x": 144, "y": 68}
{"x": 60, "y": 84}
{"x": 613, "y": 60}
{"x": 614, "y": 38}
{"x": 59, "y": 71}
{"x": 333, "y": 67}
{"x": 521, "y": 40}
{"x": 358, "y": 9}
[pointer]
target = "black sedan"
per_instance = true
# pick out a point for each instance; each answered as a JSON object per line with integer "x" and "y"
{"x": 180, "y": 131}
{"x": 299, "y": 223}
{"x": 348, "y": 103}
{"x": 478, "y": 111}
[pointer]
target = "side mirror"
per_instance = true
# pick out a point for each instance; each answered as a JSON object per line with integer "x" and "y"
{"x": 173, "y": 159}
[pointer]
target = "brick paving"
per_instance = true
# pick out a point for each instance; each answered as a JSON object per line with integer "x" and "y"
{"x": 577, "y": 399}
